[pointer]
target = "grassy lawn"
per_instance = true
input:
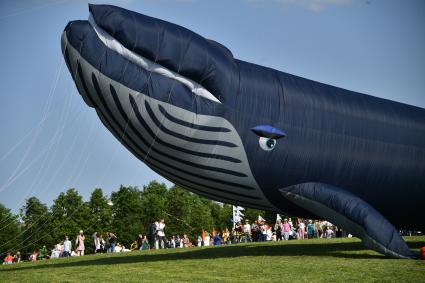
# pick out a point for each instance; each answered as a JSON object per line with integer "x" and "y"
{"x": 333, "y": 260}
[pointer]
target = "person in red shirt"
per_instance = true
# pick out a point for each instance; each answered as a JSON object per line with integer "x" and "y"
{"x": 8, "y": 259}
{"x": 422, "y": 253}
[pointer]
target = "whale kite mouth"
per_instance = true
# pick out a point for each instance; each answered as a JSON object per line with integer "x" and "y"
{"x": 148, "y": 65}
{"x": 206, "y": 68}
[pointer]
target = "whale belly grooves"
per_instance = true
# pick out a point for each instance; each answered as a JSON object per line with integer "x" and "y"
{"x": 199, "y": 152}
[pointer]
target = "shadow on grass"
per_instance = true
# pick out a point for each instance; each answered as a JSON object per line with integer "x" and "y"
{"x": 338, "y": 250}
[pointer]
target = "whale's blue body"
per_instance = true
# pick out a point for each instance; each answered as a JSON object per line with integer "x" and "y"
{"x": 184, "y": 106}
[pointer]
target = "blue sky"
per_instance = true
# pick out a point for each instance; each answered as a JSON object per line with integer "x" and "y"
{"x": 51, "y": 141}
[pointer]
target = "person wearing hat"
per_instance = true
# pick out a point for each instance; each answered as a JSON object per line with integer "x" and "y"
{"x": 79, "y": 243}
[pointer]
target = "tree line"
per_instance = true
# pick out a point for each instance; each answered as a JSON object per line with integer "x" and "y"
{"x": 126, "y": 212}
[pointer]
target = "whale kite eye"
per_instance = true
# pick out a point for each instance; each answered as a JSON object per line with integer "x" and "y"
{"x": 267, "y": 143}
{"x": 268, "y": 136}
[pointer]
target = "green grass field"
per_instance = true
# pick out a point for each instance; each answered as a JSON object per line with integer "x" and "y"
{"x": 333, "y": 260}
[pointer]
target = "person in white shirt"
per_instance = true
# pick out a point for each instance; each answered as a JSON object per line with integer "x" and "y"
{"x": 247, "y": 231}
{"x": 207, "y": 239}
{"x": 56, "y": 251}
{"x": 161, "y": 234}
{"x": 269, "y": 234}
{"x": 301, "y": 228}
{"x": 67, "y": 247}
{"x": 329, "y": 233}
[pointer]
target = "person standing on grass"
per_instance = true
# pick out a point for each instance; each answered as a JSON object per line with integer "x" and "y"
{"x": 42, "y": 253}
{"x": 310, "y": 229}
{"x": 94, "y": 240}
{"x": 98, "y": 245}
{"x": 217, "y": 239}
{"x": 301, "y": 228}
{"x": 286, "y": 229}
{"x": 329, "y": 232}
{"x": 278, "y": 227}
{"x": 67, "y": 247}
{"x": 161, "y": 234}
{"x": 112, "y": 241}
{"x": 247, "y": 231}
{"x": 319, "y": 229}
{"x": 207, "y": 239}
{"x": 79, "y": 243}
{"x": 152, "y": 235}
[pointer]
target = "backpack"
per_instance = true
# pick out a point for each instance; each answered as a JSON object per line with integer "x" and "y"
{"x": 279, "y": 228}
{"x": 152, "y": 229}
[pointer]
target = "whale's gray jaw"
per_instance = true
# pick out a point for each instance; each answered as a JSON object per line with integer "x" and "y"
{"x": 202, "y": 153}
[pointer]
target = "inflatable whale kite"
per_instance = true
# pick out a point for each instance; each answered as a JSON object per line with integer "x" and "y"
{"x": 249, "y": 135}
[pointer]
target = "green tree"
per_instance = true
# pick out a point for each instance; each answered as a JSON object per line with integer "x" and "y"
{"x": 225, "y": 217}
{"x": 100, "y": 211}
{"x": 70, "y": 215}
{"x": 154, "y": 200}
{"x": 252, "y": 214}
{"x": 36, "y": 219}
{"x": 200, "y": 217}
{"x": 9, "y": 231}
{"x": 127, "y": 214}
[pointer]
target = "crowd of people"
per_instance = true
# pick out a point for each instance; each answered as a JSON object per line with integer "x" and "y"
{"x": 242, "y": 232}
{"x": 65, "y": 248}
{"x": 258, "y": 231}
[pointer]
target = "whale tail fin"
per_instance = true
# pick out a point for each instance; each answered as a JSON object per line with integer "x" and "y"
{"x": 352, "y": 214}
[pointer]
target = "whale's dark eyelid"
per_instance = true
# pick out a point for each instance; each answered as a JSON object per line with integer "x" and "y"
{"x": 109, "y": 125}
{"x": 183, "y": 137}
{"x": 191, "y": 125}
{"x": 158, "y": 140}
{"x": 267, "y": 131}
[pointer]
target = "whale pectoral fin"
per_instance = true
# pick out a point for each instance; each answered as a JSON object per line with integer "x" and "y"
{"x": 352, "y": 214}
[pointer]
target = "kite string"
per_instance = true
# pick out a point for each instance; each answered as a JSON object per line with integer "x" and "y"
{"x": 104, "y": 171}
{"x": 51, "y": 143}
{"x": 38, "y": 131}
{"x": 31, "y": 189}
{"x": 92, "y": 136}
{"x": 125, "y": 129}
{"x": 21, "y": 140}
{"x": 60, "y": 132}
{"x": 182, "y": 56}
{"x": 56, "y": 132}
{"x": 48, "y": 221}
